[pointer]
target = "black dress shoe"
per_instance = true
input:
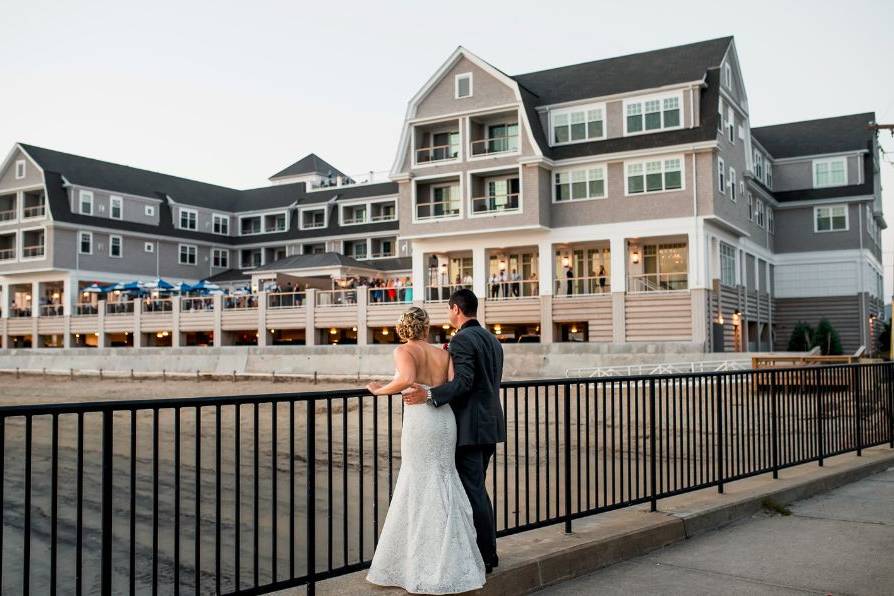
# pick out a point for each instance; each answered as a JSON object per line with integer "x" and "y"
{"x": 488, "y": 568}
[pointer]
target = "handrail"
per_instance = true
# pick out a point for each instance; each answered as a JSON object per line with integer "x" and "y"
{"x": 86, "y": 310}
{"x": 493, "y": 145}
{"x": 193, "y": 303}
{"x": 51, "y": 310}
{"x": 435, "y": 293}
{"x": 280, "y": 300}
{"x": 568, "y": 287}
{"x": 513, "y": 290}
{"x": 7, "y": 215}
{"x": 242, "y": 302}
{"x": 33, "y": 251}
{"x": 336, "y": 298}
{"x": 155, "y": 305}
{"x": 437, "y": 153}
{"x": 119, "y": 308}
{"x": 390, "y": 295}
{"x": 7, "y": 254}
{"x": 657, "y": 282}
{"x": 495, "y": 203}
{"x": 34, "y": 211}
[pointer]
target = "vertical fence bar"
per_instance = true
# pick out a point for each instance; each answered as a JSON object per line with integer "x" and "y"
{"x": 217, "y": 495}
{"x": 653, "y": 491}
{"x": 26, "y": 538}
{"x": 133, "y": 502}
{"x": 54, "y": 502}
{"x": 2, "y": 495}
{"x": 106, "y": 505}
{"x": 237, "y": 491}
{"x": 274, "y": 471}
{"x": 197, "y": 546}
{"x": 858, "y": 410}
{"x": 820, "y": 426}
{"x": 774, "y": 424}
{"x": 154, "y": 501}
{"x": 176, "y": 500}
{"x": 890, "y": 384}
{"x": 311, "y": 498}
{"x": 292, "y": 488}
{"x": 721, "y": 456}
{"x": 567, "y": 458}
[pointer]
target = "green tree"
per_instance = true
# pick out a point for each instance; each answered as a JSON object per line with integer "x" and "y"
{"x": 801, "y": 339}
{"x": 826, "y": 337}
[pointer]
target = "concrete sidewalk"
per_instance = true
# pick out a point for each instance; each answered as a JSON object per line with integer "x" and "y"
{"x": 839, "y": 542}
{"x": 534, "y": 560}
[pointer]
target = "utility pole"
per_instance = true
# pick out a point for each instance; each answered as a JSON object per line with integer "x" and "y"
{"x": 876, "y": 126}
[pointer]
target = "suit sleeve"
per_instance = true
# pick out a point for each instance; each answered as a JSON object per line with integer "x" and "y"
{"x": 463, "y": 355}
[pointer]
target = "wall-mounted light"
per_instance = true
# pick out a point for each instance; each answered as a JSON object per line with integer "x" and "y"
{"x": 498, "y": 329}
{"x": 354, "y": 329}
{"x": 502, "y": 264}
{"x": 445, "y": 327}
{"x": 565, "y": 262}
{"x": 736, "y": 317}
{"x": 333, "y": 331}
{"x": 635, "y": 257}
{"x": 574, "y": 329}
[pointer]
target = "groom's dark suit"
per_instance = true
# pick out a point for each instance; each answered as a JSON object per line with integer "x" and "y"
{"x": 474, "y": 395}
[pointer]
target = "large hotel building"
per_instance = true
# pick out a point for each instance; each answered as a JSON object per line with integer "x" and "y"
{"x": 622, "y": 201}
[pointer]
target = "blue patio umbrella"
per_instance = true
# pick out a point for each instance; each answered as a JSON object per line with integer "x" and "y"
{"x": 182, "y": 287}
{"x": 205, "y": 286}
{"x": 94, "y": 289}
{"x": 159, "y": 284}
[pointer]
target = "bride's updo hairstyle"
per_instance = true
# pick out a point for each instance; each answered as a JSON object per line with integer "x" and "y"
{"x": 413, "y": 324}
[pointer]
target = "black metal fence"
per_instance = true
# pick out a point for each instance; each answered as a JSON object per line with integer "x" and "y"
{"x": 254, "y": 493}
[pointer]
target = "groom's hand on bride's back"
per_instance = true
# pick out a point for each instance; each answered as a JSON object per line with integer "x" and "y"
{"x": 414, "y": 395}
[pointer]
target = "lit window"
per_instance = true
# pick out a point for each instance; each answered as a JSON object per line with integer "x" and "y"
{"x": 831, "y": 219}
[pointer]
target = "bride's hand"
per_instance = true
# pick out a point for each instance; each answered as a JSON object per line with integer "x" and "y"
{"x": 373, "y": 387}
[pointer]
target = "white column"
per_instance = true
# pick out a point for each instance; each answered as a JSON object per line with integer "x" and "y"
{"x": 101, "y": 323}
{"x": 6, "y": 299}
{"x": 546, "y": 269}
{"x": 362, "y": 324}
{"x": 218, "y": 318}
{"x": 618, "y": 246}
{"x": 418, "y": 274}
{"x": 175, "y": 322}
{"x": 262, "y": 319}
{"x": 310, "y": 329}
{"x": 138, "y": 323}
{"x": 69, "y": 294}
{"x": 479, "y": 271}
{"x": 35, "y": 299}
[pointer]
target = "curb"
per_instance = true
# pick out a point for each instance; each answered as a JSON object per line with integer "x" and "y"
{"x": 533, "y": 560}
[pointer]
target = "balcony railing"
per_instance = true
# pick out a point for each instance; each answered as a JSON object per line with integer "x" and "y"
{"x": 383, "y": 217}
{"x": 7, "y": 254}
{"x": 511, "y": 290}
{"x": 52, "y": 310}
{"x": 158, "y": 305}
{"x": 34, "y": 211}
{"x": 495, "y": 145}
{"x": 442, "y": 293}
{"x": 33, "y": 251}
{"x": 359, "y": 219}
{"x": 381, "y": 255}
{"x": 7, "y": 215}
{"x": 390, "y": 295}
{"x": 286, "y": 300}
{"x": 495, "y": 203}
{"x": 20, "y": 311}
{"x": 657, "y": 282}
{"x": 337, "y": 298}
{"x": 583, "y": 286}
{"x": 86, "y": 310}
{"x": 125, "y": 307}
{"x": 196, "y": 304}
{"x": 436, "y": 153}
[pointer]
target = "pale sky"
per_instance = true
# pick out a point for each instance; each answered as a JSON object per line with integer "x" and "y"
{"x": 231, "y": 92}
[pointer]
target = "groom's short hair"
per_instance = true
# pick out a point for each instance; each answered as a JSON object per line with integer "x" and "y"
{"x": 465, "y": 300}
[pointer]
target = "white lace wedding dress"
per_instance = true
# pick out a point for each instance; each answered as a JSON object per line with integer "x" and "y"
{"x": 427, "y": 545}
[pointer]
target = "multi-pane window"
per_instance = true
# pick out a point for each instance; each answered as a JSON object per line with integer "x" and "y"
{"x": 831, "y": 219}
{"x": 115, "y": 246}
{"x": 85, "y": 243}
{"x": 353, "y": 214}
{"x": 313, "y": 218}
{"x": 654, "y": 176}
{"x": 768, "y": 174}
{"x": 830, "y": 172}
{"x": 580, "y": 184}
{"x": 759, "y": 213}
{"x": 220, "y": 258}
{"x": 275, "y": 222}
{"x": 570, "y": 126}
{"x": 502, "y": 137}
{"x": 731, "y": 125}
{"x": 771, "y": 222}
{"x": 732, "y": 184}
{"x": 187, "y": 254}
{"x": 440, "y": 201}
{"x": 85, "y": 202}
{"x": 750, "y": 207}
{"x": 759, "y": 165}
{"x": 188, "y": 219}
{"x": 220, "y": 224}
{"x": 721, "y": 176}
{"x": 727, "y": 264}
{"x": 653, "y": 114}
{"x": 115, "y": 207}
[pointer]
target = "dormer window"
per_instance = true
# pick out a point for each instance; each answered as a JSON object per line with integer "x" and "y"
{"x": 115, "y": 207}
{"x": 220, "y": 224}
{"x": 312, "y": 219}
{"x": 353, "y": 214}
{"x": 652, "y": 114}
{"x": 586, "y": 123}
{"x": 463, "y": 85}
{"x": 189, "y": 219}
{"x": 85, "y": 202}
{"x": 830, "y": 172}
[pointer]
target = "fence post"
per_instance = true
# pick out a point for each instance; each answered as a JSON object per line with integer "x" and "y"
{"x": 718, "y": 385}
{"x": 567, "y": 459}
{"x": 652, "y": 464}
{"x": 890, "y": 406}
{"x": 858, "y": 411}
{"x": 820, "y": 427}
{"x": 774, "y": 424}
{"x": 106, "y": 505}
{"x": 311, "y": 497}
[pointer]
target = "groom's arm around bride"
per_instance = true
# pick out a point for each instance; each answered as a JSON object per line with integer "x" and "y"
{"x": 474, "y": 396}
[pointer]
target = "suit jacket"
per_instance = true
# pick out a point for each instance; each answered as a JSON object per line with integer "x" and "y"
{"x": 474, "y": 392}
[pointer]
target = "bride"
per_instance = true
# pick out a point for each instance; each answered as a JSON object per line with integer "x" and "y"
{"x": 427, "y": 545}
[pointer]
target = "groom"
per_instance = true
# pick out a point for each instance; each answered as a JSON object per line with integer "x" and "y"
{"x": 474, "y": 395}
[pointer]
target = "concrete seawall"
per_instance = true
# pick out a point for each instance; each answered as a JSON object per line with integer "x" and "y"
{"x": 522, "y": 360}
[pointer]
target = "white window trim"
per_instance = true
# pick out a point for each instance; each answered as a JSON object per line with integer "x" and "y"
{"x": 120, "y": 246}
{"x": 847, "y": 218}
{"x": 341, "y": 214}
{"x": 82, "y": 195}
{"x": 284, "y": 213}
{"x": 80, "y": 235}
{"x": 21, "y": 240}
{"x": 471, "y": 212}
{"x": 731, "y": 180}
{"x": 604, "y": 167}
{"x": 432, "y": 181}
{"x": 260, "y": 216}
{"x": 217, "y": 252}
{"x": 113, "y": 199}
{"x": 582, "y": 108}
{"x": 325, "y": 211}
{"x": 21, "y": 169}
{"x": 727, "y": 76}
{"x": 215, "y": 217}
{"x": 250, "y": 250}
{"x": 15, "y": 244}
{"x": 149, "y": 210}
{"x": 149, "y": 247}
{"x": 368, "y": 248}
{"x": 460, "y": 155}
{"x": 721, "y": 176}
{"x": 180, "y": 254}
{"x": 829, "y": 161}
{"x": 642, "y": 100}
{"x": 187, "y": 211}
{"x": 462, "y": 76}
{"x": 662, "y": 159}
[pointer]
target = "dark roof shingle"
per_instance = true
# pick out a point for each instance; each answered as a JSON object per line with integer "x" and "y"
{"x": 309, "y": 164}
{"x": 817, "y": 137}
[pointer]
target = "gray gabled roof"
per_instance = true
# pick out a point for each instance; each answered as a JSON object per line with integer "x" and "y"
{"x": 309, "y": 164}
{"x": 816, "y": 137}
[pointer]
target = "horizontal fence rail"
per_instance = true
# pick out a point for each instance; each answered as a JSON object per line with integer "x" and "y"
{"x": 251, "y": 494}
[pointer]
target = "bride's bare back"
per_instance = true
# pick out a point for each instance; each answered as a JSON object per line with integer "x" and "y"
{"x": 417, "y": 362}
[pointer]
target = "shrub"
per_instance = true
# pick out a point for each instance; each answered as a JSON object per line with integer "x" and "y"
{"x": 826, "y": 337}
{"x": 801, "y": 339}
